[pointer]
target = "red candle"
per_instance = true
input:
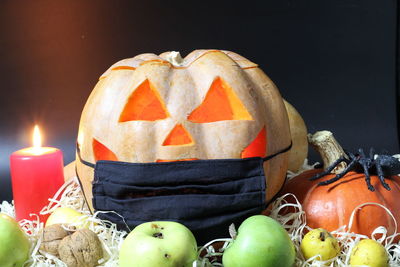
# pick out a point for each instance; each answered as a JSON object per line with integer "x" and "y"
{"x": 36, "y": 175}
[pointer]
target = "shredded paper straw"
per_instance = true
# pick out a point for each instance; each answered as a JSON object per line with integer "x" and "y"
{"x": 70, "y": 195}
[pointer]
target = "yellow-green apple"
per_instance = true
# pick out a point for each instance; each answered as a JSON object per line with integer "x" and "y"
{"x": 14, "y": 244}
{"x": 369, "y": 252}
{"x": 158, "y": 243}
{"x": 260, "y": 242}
{"x": 319, "y": 242}
{"x": 66, "y": 215}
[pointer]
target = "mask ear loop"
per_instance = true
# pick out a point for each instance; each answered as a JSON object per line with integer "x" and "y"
{"x": 87, "y": 163}
{"x": 80, "y": 184}
{"x": 91, "y": 165}
{"x": 286, "y": 149}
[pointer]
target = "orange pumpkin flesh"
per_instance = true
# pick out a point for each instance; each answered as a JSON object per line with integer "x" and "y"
{"x": 144, "y": 105}
{"x": 330, "y": 206}
{"x": 167, "y": 160}
{"x": 220, "y": 104}
{"x": 122, "y": 68}
{"x": 257, "y": 148}
{"x": 178, "y": 136}
{"x": 101, "y": 152}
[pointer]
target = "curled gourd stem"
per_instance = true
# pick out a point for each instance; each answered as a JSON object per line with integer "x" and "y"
{"x": 330, "y": 150}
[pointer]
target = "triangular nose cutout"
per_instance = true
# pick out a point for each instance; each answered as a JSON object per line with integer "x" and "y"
{"x": 178, "y": 136}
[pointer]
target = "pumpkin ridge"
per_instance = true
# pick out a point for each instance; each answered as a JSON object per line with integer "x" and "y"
{"x": 195, "y": 59}
{"x": 340, "y": 210}
{"x": 187, "y": 65}
{"x": 353, "y": 194}
{"x": 395, "y": 185}
{"x": 156, "y": 61}
{"x": 380, "y": 195}
{"x": 250, "y": 67}
{"x": 123, "y": 68}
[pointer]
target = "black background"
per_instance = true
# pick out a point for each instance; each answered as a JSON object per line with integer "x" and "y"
{"x": 333, "y": 60}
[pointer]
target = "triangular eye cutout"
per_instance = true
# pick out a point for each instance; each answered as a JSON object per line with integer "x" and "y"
{"x": 257, "y": 148}
{"x": 221, "y": 103}
{"x": 178, "y": 136}
{"x": 101, "y": 152}
{"x": 144, "y": 104}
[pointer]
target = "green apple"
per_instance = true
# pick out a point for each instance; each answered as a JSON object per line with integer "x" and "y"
{"x": 159, "y": 243}
{"x": 14, "y": 244}
{"x": 260, "y": 242}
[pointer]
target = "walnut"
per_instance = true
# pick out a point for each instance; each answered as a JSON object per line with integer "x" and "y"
{"x": 51, "y": 238}
{"x": 81, "y": 249}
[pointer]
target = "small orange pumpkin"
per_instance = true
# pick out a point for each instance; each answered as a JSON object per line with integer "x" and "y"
{"x": 331, "y": 206}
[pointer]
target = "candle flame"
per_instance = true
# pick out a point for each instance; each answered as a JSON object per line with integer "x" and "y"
{"x": 37, "y": 139}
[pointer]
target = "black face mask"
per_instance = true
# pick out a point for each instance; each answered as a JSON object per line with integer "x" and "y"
{"x": 204, "y": 195}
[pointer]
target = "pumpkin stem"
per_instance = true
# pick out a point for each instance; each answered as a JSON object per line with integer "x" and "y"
{"x": 328, "y": 148}
{"x": 174, "y": 58}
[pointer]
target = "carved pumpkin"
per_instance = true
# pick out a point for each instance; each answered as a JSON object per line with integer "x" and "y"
{"x": 211, "y": 105}
{"x": 330, "y": 206}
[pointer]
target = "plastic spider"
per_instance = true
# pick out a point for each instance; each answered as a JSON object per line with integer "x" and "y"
{"x": 382, "y": 165}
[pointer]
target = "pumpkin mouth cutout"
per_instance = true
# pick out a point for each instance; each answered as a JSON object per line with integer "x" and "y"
{"x": 178, "y": 136}
{"x": 144, "y": 104}
{"x": 173, "y": 160}
{"x": 221, "y": 103}
{"x": 101, "y": 152}
{"x": 258, "y": 147}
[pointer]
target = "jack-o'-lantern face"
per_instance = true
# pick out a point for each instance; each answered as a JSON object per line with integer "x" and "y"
{"x": 211, "y": 105}
{"x": 221, "y": 108}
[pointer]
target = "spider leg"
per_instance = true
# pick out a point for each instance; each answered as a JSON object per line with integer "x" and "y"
{"x": 366, "y": 164}
{"x": 328, "y": 170}
{"x": 318, "y": 166}
{"x": 340, "y": 175}
{"x": 367, "y": 177}
{"x": 381, "y": 176}
{"x": 372, "y": 153}
{"x": 352, "y": 156}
